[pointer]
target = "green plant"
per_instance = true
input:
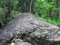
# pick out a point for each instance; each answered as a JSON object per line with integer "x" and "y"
{"x": 2, "y": 17}
{"x": 50, "y": 21}
{"x": 7, "y": 10}
{"x": 42, "y": 6}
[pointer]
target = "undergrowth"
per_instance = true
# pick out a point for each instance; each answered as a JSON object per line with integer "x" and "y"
{"x": 57, "y": 23}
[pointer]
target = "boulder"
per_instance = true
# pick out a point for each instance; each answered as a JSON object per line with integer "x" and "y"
{"x": 31, "y": 30}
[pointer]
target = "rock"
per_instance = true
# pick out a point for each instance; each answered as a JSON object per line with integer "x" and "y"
{"x": 31, "y": 30}
{"x": 39, "y": 33}
{"x": 25, "y": 43}
{"x": 18, "y": 40}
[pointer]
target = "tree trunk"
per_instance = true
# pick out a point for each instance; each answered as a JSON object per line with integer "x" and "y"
{"x": 30, "y": 6}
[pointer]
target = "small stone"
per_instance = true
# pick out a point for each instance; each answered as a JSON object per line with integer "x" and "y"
{"x": 18, "y": 40}
{"x": 25, "y": 43}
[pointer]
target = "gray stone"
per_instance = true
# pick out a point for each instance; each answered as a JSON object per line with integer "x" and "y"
{"x": 18, "y": 40}
{"x": 27, "y": 26}
{"x": 25, "y": 43}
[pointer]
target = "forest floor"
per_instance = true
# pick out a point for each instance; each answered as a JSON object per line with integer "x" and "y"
{"x": 26, "y": 29}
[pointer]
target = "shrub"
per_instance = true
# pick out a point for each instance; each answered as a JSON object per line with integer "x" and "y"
{"x": 7, "y": 10}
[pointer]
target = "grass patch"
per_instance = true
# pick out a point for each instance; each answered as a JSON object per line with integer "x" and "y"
{"x": 57, "y": 23}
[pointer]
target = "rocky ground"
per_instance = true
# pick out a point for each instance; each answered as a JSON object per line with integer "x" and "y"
{"x": 26, "y": 29}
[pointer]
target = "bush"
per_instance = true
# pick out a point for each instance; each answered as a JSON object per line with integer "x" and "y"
{"x": 7, "y": 10}
{"x": 2, "y": 17}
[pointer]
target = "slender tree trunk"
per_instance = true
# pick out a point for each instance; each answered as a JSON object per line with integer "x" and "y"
{"x": 30, "y": 5}
{"x": 59, "y": 10}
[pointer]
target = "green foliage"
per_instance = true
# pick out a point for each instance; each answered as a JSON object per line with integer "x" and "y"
{"x": 49, "y": 10}
{"x": 24, "y": 5}
{"x": 2, "y": 17}
{"x": 42, "y": 6}
{"x": 7, "y": 10}
{"x": 50, "y": 21}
